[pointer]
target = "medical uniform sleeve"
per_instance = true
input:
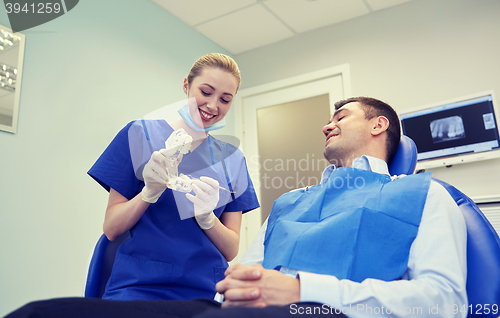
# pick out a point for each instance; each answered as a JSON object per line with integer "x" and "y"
{"x": 114, "y": 167}
{"x": 244, "y": 197}
{"x": 255, "y": 252}
{"x": 434, "y": 282}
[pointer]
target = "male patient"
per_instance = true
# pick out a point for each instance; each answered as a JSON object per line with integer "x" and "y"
{"x": 359, "y": 244}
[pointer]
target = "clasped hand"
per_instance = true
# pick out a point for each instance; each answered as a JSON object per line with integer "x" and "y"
{"x": 255, "y": 286}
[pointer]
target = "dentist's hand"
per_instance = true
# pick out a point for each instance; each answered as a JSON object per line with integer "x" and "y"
{"x": 177, "y": 144}
{"x": 155, "y": 177}
{"x": 205, "y": 201}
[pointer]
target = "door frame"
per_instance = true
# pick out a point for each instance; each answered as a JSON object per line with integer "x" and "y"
{"x": 251, "y": 222}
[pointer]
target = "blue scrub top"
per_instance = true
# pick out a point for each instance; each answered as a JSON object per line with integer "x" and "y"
{"x": 167, "y": 255}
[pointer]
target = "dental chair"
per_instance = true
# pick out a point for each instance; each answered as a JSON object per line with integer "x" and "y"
{"x": 483, "y": 243}
{"x": 101, "y": 264}
{"x": 483, "y": 246}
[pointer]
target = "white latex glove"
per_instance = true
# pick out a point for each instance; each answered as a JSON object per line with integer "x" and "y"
{"x": 205, "y": 201}
{"x": 155, "y": 177}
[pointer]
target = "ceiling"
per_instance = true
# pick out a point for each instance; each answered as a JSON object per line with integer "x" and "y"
{"x": 243, "y": 25}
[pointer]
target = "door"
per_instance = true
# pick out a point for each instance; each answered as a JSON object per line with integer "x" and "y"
{"x": 279, "y": 125}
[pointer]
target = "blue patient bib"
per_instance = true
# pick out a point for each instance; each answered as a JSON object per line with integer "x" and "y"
{"x": 357, "y": 225}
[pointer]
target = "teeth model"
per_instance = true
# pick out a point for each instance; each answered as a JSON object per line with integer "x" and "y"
{"x": 181, "y": 183}
{"x": 177, "y": 144}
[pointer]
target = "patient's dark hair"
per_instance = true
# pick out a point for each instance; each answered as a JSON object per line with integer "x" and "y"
{"x": 373, "y": 108}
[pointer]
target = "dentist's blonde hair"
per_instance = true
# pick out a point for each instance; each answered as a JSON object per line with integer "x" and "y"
{"x": 217, "y": 61}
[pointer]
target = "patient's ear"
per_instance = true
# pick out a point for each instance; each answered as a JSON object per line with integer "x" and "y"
{"x": 380, "y": 124}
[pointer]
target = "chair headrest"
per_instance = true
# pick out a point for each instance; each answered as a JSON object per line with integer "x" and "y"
{"x": 405, "y": 159}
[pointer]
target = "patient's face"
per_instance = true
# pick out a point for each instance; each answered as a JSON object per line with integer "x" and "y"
{"x": 347, "y": 135}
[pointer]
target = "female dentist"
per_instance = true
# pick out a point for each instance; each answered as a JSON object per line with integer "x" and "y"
{"x": 179, "y": 243}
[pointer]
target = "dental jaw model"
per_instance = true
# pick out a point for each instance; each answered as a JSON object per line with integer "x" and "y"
{"x": 177, "y": 145}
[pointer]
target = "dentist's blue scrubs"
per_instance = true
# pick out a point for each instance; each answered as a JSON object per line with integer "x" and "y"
{"x": 168, "y": 256}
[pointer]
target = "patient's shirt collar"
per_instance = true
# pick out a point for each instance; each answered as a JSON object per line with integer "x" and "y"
{"x": 364, "y": 163}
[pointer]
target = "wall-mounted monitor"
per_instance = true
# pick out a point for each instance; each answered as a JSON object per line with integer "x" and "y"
{"x": 455, "y": 131}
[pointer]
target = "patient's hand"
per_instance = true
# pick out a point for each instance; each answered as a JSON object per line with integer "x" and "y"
{"x": 255, "y": 286}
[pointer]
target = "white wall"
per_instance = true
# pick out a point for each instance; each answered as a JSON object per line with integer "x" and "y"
{"x": 105, "y": 63}
{"x": 86, "y": 75}
{"x": 421, "y": 52}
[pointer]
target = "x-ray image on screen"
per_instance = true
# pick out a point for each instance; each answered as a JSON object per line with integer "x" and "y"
{"x": 461, "y": 130}
{"x": 489, "y": 121}
{"x": 446, "y": 129}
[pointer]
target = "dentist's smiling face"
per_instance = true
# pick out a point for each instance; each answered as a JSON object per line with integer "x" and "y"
{"x": 213, "y": 90}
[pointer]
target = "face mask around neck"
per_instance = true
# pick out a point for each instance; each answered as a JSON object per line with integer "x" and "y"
{"x": 184, "y": 113}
